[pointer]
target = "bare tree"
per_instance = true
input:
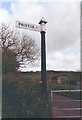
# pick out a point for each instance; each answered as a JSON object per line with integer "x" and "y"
{"x": 21, "y": 44}
{"x": 26, "y": 49}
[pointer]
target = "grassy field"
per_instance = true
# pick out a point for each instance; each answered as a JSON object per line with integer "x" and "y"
{"x": 36, "y": 76}
{"x": 62, "y": 87}
{"x": 73, "y": 95}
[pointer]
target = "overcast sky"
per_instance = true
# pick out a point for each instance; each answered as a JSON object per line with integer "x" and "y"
{"x": 63, "y": 29}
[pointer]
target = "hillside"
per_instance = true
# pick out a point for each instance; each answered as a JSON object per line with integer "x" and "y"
{"x": 67, "y": 76}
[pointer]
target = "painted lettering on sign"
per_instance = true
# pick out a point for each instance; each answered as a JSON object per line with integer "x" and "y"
{"x": 28, "y": 26}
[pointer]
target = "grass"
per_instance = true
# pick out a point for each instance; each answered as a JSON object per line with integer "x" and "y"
{"x": 73, "y": 95}
{"x": 62, "y": 87}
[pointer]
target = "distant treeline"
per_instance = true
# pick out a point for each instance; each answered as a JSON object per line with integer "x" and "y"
{"x": 71, "y": 75}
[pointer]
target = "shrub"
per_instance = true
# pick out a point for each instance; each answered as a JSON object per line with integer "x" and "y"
{"x": 24, "y": 101}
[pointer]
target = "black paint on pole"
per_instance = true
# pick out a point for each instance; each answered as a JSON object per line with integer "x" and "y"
{"x": 43, "y": 65}
{"x": 43, "y": 60}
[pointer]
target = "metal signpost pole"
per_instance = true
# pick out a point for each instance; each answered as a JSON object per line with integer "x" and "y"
{"x": 43, "y": 59}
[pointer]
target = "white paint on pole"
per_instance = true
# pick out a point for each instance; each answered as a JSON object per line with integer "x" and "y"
{"x": 43, "y": 27}
{"x": 28, "y": 26}
{"x": 43, "y": 24}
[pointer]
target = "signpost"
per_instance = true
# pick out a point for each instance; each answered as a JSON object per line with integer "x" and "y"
{"x": 43, "y": 58}
{"x": 39, "y": 28}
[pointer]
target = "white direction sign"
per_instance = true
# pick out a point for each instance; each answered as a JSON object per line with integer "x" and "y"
{"x": 28, "y": 26}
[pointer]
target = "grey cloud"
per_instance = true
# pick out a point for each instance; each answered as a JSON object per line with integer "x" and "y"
{"x": 63, "y": 28}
